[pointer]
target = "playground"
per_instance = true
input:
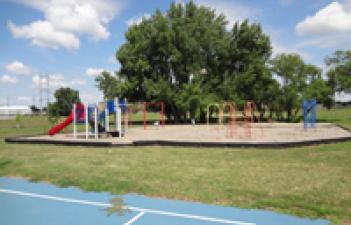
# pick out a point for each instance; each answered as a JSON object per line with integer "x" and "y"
{"x": 261, "y": 135}
{"x": 288, "y": 181}
{"x": 229, "y": 128}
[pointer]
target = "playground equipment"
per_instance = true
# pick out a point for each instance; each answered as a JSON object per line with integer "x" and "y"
{"x": 162, "y": 110}
{"x": 231, "y": 128}
{"x": 309, "y": 113}
{"x": 248, "y": 117}
{"x": 57, "y": 128}
{"x": 93, "y": 115}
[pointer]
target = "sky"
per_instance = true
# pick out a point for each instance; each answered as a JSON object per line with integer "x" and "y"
{"x": 72, "y": 41}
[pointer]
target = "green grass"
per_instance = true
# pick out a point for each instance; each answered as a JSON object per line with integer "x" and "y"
{"x": 311, "y": 181}
{"x": 340, "y": 116}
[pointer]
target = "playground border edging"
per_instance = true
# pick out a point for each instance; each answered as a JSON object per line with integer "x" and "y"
{"x": 23, "y": 140}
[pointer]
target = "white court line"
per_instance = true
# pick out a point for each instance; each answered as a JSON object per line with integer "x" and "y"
{"x": 137, "y": 209}
{"x": 135, "y": 218}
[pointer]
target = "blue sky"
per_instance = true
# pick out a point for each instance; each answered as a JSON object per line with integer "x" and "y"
{"x": 72, "y": 40}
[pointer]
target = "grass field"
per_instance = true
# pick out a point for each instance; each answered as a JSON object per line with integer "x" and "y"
{"x": 310, "y": 181}
{"x": 340, "y": 116}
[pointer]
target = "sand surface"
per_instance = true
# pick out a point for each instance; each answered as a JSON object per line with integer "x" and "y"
{"x": 252, "y": 133}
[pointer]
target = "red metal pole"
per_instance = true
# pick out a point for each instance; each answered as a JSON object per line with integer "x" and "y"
{"x": 145, "y": 104}
{"x": 163, "y": 114}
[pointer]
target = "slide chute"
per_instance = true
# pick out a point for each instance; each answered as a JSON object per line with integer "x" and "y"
{"x": 79, "y": 115}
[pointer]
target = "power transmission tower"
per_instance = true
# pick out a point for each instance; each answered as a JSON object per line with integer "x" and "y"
{"x": 44, "y": 89}
{"x": 47, "y": 79}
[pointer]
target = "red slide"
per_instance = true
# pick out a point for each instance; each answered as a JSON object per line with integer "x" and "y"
{"x": 80, "y": 117}
{"x": 55, "y": 129}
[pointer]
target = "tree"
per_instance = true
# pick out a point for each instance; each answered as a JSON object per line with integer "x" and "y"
{"x": 53, "y": 113}
{"x": 339, "y": 72}
{"x": 187, "y": 58}
{"x": 18, "y": 120}
{"x": 65, "y": 98}
{"x": 298, "y": 80}
{"x": 109, "y": 85}
{"x": 249, "y": 52}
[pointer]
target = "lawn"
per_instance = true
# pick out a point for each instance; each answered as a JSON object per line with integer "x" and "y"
{"x": 311, "y": 181}
{"x": 341, "y": 116}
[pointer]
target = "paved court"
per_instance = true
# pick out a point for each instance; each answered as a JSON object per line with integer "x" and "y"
{"x": 23, "y": 202}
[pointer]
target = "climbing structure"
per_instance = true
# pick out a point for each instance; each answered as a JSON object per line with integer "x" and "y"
{"x": 309, "y": 113}
{"x": 248, "y": 117}
{"x": 231, "y": 125}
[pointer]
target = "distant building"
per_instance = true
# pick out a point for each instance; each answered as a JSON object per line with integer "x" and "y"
{"x": 13, "y": 110}
{"x": 343, "y": 99}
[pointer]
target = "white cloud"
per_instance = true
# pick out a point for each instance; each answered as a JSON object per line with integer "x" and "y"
{"x": 329, "y": 27}
{"x": 6, "y": 79}
{"x": 19, "y": 68}
{"x": 136, "y": 20}
{"x": 64, "y": 21}
{"x": 94, "y": 71}
{"x": 332, "y": 18}
{"x": 43, "y": 34}
{"x": 232, "y": 10}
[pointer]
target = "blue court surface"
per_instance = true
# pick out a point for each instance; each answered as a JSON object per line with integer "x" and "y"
{"x": 23, "y": 202}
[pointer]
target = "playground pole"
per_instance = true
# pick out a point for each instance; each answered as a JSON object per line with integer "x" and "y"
{"x": 96, "y": 122}
{"x": 116, "y": 113}
{"x": 106, "y": 118}
{"x": 126, "y": 117}
{"x": 305, "y": 106}
{"x": 74, "y": 122}
{"x": 86, "y": 121}
{"x": 119, "y": 124}
{"x": 220, "y": 116}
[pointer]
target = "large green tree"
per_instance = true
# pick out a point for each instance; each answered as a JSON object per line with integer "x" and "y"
{"x": 298, "y": 80}
{"x": 64, "y": 100}
{"x": 187, "y": 58}
{"x": 339, "y": 72}
{"x": 249, "y": 52}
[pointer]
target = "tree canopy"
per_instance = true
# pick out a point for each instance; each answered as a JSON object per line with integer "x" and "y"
{"x": 187, "y": 58}
{"x": 64, "y": 100}
{"x": 298, "y": 80}
{"x": 339, "y": 70}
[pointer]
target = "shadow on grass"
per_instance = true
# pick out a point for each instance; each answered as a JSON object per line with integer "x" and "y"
{"x": 4, "y": 163}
